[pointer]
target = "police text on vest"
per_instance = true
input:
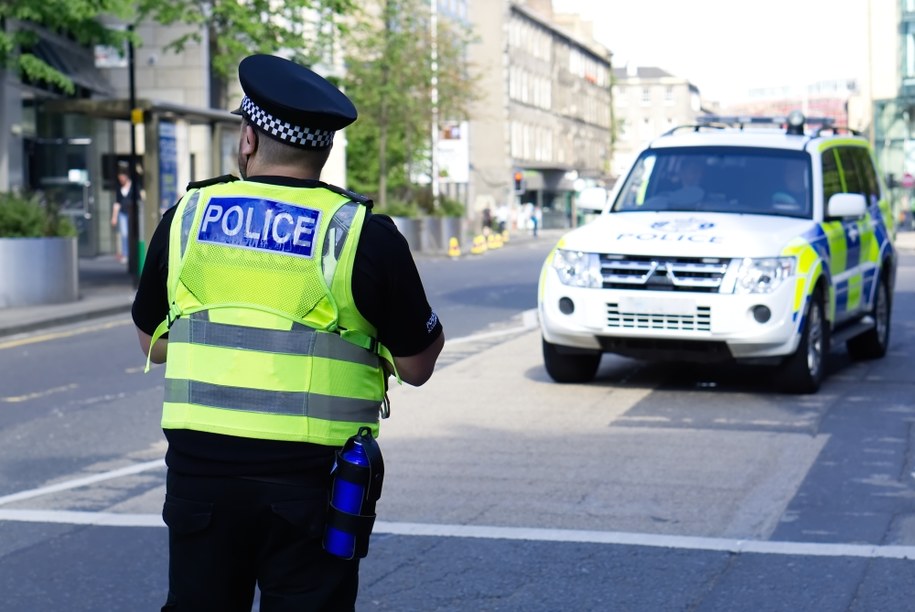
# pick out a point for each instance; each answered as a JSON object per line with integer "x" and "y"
{"x": 265, "y": 225}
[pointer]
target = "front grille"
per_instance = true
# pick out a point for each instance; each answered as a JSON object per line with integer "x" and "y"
{"x": 701, "y": 320}
{"x": 662, "y": 274}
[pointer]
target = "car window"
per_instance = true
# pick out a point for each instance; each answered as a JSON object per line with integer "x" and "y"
{"x": 868, "y": 174}
{"x": 744, "y": 180}
{"x": 832, "y": 181}
{"x": 850, "y": 170}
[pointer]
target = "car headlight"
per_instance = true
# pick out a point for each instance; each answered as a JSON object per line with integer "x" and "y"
{"x": 763, "y": 275}
{"x": 577, "y": 269}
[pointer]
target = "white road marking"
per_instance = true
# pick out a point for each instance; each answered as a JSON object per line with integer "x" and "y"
{"x": 803, "y": 549}
{"x": 81, "y": 482}
{"x": 30, "y": 396}
{"x": 812, "y": 549}
{"x": 528, "y": 322}
{"x": 69, "y": 517}
{"x": 25, "y": 339}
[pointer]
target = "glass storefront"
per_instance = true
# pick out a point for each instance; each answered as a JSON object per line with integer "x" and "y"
{"x": 894, "y": 145}
{"x": 63, "y": 161}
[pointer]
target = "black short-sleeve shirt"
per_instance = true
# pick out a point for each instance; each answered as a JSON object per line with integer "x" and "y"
{"x": 388, "y": 292}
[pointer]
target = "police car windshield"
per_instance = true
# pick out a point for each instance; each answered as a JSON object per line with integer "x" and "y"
{"x": 741, "y": 180}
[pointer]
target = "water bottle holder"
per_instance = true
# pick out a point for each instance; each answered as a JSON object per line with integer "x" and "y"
{"x": 358, "y": 525}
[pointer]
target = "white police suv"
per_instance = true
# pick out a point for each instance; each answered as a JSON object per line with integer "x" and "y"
{"x": 742, "y": 239}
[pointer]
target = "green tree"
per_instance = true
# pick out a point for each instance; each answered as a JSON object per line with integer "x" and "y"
{"x": 305, "y": 30}
{"x": 77, "y": 18}
{"x": 389, "y": 77}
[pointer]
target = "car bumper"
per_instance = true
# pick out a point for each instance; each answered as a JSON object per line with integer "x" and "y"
{"x": 581, "y": 317}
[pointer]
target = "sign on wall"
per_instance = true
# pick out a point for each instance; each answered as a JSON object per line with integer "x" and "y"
{"x": 454, "y": 152}
{"x": 168, "y": 165}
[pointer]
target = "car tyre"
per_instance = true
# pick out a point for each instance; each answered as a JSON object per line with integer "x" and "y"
{"x": 570, "y": 367}
{"x": 874, "y": 343}
{"x": 803, "y": 370}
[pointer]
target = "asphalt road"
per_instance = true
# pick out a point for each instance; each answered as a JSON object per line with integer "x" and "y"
{"x": 651, "y": 488}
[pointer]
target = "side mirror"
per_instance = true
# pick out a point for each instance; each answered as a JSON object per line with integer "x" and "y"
{"x": 846, "y": 205}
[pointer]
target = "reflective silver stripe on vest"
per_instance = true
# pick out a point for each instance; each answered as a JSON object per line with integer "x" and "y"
{"x": 300, "y": 340}
{"x": 272, "y": 402}
{"x": 187, "y": 219}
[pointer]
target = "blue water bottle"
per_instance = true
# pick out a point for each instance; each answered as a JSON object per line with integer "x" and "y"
{"x": 348, "y": 497}
{"x": 358, "y": 476}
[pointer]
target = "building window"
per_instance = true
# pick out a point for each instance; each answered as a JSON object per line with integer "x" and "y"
{"x": 646, "y": 132}
{"x": 646, "y": 95}
{"x": 669, "y": 94}
{"x": 908, "y": 67}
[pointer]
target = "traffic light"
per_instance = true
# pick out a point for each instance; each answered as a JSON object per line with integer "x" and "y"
{"x": 519, "y": 181}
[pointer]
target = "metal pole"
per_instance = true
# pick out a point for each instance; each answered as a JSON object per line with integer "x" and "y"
{"x": 136, "y": 116}
{"x": 434, "y": 96}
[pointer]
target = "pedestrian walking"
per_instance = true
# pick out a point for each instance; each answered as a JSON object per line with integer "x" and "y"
{"x": 281, "y": 306}
{"x": 120, "y": 216}
{"x": 536, "y": 219}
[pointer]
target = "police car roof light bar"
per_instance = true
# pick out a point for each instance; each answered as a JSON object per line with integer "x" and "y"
{"x": 793, "y": 123}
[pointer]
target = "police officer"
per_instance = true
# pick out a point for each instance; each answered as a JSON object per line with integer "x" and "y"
{"x": 281, "y": 306}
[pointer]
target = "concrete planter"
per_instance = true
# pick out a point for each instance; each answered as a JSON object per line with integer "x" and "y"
{"x": 452, "y": 227}
{"x": 38, "y": 271}
{"x": 429, "y": 234}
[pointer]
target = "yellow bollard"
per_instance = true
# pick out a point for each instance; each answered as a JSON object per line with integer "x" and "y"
{"x": 479, "y": 245}
{"x": 454, "y": 248}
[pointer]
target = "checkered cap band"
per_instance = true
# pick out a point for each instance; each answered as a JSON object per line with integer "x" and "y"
{"x": 292, "y": 134}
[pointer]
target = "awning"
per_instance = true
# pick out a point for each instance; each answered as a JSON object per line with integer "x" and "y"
{"x": 73, "y": 60}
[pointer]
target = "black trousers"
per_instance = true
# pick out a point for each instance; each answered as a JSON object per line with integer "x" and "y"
{"x": 228, "y": 534}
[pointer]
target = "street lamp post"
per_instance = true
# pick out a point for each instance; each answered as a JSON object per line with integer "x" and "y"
{"x": 434, "y": 98}
{"x": 136, "y": 116}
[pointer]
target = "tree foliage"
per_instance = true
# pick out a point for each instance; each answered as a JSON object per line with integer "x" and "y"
{"x": 389, "y": 75}
{"x": 79, "y": 19}
{"x": 388, "y": 47}
{"x": 306, "y": 30}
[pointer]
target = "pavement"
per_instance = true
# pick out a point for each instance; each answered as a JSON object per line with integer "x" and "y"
{"x": 106, "y": 289}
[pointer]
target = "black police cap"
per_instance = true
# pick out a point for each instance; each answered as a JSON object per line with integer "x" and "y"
{"x": 292, "y": 103}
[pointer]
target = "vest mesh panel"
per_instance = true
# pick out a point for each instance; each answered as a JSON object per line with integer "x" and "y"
{"x": 271, "y": 270}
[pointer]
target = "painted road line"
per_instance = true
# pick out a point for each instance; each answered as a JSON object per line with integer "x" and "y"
{"x": 81, "y": 482}
{"x": 798, "y": 549}
{"x": 528, "y": 322}
{"x": 69, "y": 517}
{"x": 62, "y": 334}
{"x": 12, "y": 399}
{"x": 812, "y": 549}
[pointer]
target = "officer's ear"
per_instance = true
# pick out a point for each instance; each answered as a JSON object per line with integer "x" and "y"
{"x": 248, "y": 139}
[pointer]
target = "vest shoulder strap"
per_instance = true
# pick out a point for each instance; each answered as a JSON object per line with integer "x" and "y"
{"x": 352, "y": 195}
{"x": 225, "y": 178}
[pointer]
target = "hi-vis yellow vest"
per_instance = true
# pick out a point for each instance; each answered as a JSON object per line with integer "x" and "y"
{"x": 265, "y": 340}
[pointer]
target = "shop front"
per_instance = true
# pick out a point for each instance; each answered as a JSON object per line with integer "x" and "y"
{"x": 79, "y": 145}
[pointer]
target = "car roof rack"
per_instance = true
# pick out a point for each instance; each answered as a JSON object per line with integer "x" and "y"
{"x": 836, "y": 130}
{"x": 793, "y": 123}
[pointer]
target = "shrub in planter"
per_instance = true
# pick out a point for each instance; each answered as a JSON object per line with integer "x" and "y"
{"x": 38, "y": 253}
{"x": 26, "y": 216}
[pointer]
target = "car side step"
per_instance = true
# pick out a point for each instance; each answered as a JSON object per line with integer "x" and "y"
{"x": 860, "y": 326}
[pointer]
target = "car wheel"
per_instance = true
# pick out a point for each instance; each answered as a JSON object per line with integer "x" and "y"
{"x": 802, "y": 371}
{"x": 570, "y": 367}
{"x": 873, "y": 343}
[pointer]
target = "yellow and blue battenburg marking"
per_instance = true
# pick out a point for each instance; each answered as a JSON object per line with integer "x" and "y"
{"x": 841, "y": 247}
{"x": 263, "y": 225}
